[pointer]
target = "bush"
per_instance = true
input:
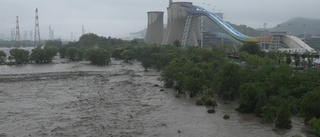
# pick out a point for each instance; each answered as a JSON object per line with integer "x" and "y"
{"x": 314, "y": 124}
{"x": 199, "y": 102}
{"x": 211, "y": 111}
{"x": 206, "y": 102}
{"x": 226, "y": 117}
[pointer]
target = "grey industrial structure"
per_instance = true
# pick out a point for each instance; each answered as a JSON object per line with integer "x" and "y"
{"x": 177, "y": 19}
{"x": 155, "y": 29}
{"x": 184, "y": 24}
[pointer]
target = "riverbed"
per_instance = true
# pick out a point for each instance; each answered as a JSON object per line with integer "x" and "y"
{"x": 72, "y": 99}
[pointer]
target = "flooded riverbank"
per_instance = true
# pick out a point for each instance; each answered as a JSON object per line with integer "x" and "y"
{"x": 78, "y": 99}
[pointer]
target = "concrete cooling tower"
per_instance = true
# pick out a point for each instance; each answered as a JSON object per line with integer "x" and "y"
{"x": 177, "y": 17}
{"x": 155, "y": 30}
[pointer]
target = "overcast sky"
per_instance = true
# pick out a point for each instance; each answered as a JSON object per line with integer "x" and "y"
{"x": 117, "y": 18}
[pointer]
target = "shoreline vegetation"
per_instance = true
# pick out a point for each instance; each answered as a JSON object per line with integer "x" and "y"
{"x": 273, "y": 86}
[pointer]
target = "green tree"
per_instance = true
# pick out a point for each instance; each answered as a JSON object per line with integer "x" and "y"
{"x": 74, "y": 54}
{"x": 288, "y": 59}
{"x": 116, "y": 53}
{"x": 296, "y": 59}
{"x": 89, "y": 39}
{"x": 19, "y": 55}
{"x": 45, "y": 55}
{"x": 248, "y": 98}
{"x": 269, "y": 113}
{"x": 134, "y": 42}
{"x": 146, "y": 63}
{"x": 3, "y": 57}
{"x": 98, "y": 56}
{"x": 227, "y": 81}
{"x": 126, "y": 55}
{"x": 62, "y": 51}
{"x": 277, "y": 56}
{"x": 177, "y": 43}
{"x": 250, "y": 47}
{"x": 167, "y": 76}
{"x": 314, "y": 124}
{"x": 310, "y": 105}
{"x": 283, "y": 119}
{"x": 37, "y": 55}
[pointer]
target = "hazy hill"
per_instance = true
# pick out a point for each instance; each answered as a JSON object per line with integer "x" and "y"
{"x": 299, "y": 25}
{"x": 294, "y": 26}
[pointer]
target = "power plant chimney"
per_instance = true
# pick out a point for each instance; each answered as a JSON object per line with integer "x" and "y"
{"x": 177, "y": 17}
{"x": 155, "y": 29}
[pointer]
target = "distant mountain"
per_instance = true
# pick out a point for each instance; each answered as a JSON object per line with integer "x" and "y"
{"x": 139, "y": 34}
{"x": 297, "y": 26}
{"x": 294, "y": 26}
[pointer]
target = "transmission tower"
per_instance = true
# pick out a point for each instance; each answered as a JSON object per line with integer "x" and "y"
{"x": 13, "y": 34}
{"x": 31, "y": 35}
{"x": 37, "y": 30}
{"x": 82, "y": 29}
{"x": 25, "y": 37}
{"x": 49, "y": 33}
{"x": 17, "y": 30}
{"x": 52, "y": 34}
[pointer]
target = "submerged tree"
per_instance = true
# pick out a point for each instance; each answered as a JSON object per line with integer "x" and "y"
{"x": 74, "y": 54}
{"x": 19, "y": 55}
{"x": 227, "y": 81}
{"x": 3, "y": 57}
{"x": 283, "y": 119}
{"x": 98, "y": 56}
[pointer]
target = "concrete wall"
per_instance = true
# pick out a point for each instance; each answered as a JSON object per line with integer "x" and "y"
{"x": 177, "y": 16}
{"x": 155, "y": 31}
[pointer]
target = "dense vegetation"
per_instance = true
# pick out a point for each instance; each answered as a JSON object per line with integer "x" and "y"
{"x": 268, "y": 84}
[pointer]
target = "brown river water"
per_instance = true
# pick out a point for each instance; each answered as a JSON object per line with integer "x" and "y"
{"x": 76, "y": 99}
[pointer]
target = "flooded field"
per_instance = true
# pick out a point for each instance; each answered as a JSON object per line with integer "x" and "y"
{"x": 72, "y": 99}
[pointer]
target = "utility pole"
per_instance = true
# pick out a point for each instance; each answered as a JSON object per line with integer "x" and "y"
{"x": 37, "y": 39}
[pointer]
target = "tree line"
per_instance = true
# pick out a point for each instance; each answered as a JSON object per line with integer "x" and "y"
{"x": 90, "y": 47}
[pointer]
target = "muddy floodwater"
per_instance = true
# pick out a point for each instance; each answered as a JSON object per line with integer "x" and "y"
{"x": 76, "y": 99}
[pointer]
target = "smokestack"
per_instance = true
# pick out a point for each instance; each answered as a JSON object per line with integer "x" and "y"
{"x": 155, "y": 30}
{"x": 177, "y": 16}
